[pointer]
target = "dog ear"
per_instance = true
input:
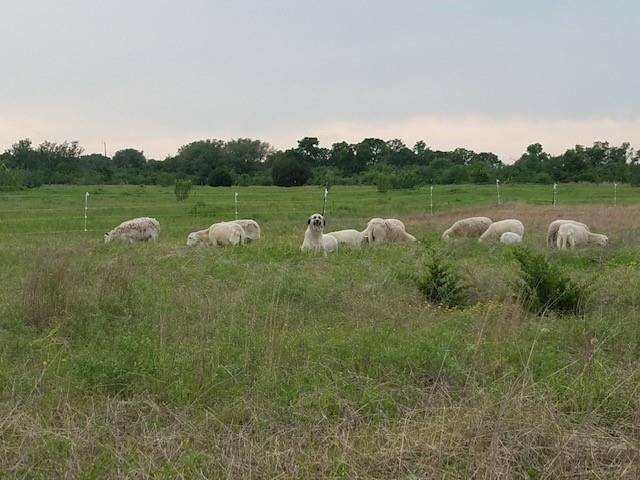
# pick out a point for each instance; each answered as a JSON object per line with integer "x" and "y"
{"x": 309, "y": 221}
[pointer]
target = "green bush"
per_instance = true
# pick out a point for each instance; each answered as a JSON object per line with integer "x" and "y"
{"x": 220, "y": 177}
{"x": 182, "y": 189}
{"x": 544, "y": 287}
{"x": 441, "y": 284}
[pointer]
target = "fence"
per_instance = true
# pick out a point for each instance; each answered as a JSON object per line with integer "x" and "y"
{"x": 72, "y": 210}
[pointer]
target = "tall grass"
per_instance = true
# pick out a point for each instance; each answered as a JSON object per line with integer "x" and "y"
{"x": 160, "y": 361}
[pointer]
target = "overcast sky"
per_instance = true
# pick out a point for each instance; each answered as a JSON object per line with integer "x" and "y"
{"x": 486, "y": 75}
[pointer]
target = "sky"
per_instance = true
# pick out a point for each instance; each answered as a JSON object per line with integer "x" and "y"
{"x": 484, "y": 75}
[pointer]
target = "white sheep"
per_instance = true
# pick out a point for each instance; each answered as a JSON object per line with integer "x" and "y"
{"x": 510, "y": 238}
{"x": 387, "y": 230}
{"x": 201, "y": 237}
{"x": 467, "y": 227}
{"x": 226, "y": 233}
{"x": 496, "y": 229}
{"x": 135, "y": 230}
{"x": 251, "y": 229}
{"x": 348, "y": 237}
{"x": 552, "y": 231}
{"x": 571, "y": 235}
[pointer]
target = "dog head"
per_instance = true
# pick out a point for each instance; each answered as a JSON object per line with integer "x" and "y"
{"x": 107, "y": 237}
{"x": 316, "y": 222}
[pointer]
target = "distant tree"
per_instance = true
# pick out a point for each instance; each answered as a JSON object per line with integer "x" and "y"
{"x": 245, "y": 155}
{"x": 10, "y": 179}
{"x": 344, "y": 157}
{"x": 371, "y": 151}
{"x": 220, "y": 177}
{"x": 129, "y": 158}
{"x": 309, "y": 148}
{"x": 290, "y": 169}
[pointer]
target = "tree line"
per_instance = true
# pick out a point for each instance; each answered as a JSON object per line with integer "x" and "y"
{"x": 388, "y": 164}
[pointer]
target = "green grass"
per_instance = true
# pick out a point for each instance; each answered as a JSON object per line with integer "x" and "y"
{"x": 130, "y": 361}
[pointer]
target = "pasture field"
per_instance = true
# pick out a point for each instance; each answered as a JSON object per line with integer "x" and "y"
{"x": 161, "y": 361}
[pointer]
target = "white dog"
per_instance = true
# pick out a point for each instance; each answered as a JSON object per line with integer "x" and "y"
{"x": 315, "y": 240}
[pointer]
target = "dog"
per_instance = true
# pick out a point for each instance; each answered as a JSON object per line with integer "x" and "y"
{"x": 315, "y": 240}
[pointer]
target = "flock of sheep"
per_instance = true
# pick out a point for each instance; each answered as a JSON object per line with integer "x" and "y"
{"x": 561, "y": 233}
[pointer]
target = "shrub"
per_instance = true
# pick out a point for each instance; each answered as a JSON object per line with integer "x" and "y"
{"x": 544, "y": 287}
{"x": 441, "y": 284}
{"x": 165, "y": 179}
{"x": 10, "y": 179}
{"x": 220, "y": 177}
{"x": 634, "y": 175}
{"x": 182, "y": 189}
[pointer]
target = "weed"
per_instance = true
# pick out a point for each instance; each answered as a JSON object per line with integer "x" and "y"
{"x": 544, "y": 287}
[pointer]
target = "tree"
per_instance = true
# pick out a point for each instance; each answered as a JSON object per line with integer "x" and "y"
{"x": 371, "y": 151}
{"x": 129, "y": 158}
{"x": 289, "y": 169}
{"x": 245, "y": 155}
{"x": 309, "y": 148}
{"x": 221, "y": 177}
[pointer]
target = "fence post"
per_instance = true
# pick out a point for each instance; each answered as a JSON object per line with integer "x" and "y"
{"x": 324, "y": 201}
{"x": 498, "y": 190}
{"x": 555, "y": 188}
{"x": 86, "y": 207}
{"x": 431, "y": 199}
{"x": 236, "y": 203}
{"x": 615, "y": 194}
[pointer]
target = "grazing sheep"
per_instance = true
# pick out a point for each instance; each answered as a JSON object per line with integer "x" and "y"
{"x": 552, "y": 231}
{"x": 314, "y": 238}
{"x": 388, "y": 230}
{"x": 201, "y": 237}
{"x": 136, "y": 230}
{"x": 348, "y": 237}
{"x": 510, "y": 238}
{"x": 226, "y": 233}
{"x": 496, "y": 229}
{"x": 467, "y": 227}
{"x": 572, "y": 235}
{"x": 251, "y": 229}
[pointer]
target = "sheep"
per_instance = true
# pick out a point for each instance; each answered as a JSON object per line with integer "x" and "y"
{"x": 388, "y": 230}
{"x": 496, "y": 229}
{"x": 510, "y": 238}
{"x": 226, "y": 233}
{"x": 573, "y": 235}
{"x": 135, "y": 230}
{"x": 348, "y": 237}
{"x": 201, "y": 237}
{"x": 467, "y": 227}
{"x": 251, "y": 229}
{"x": 552, "y": 231}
